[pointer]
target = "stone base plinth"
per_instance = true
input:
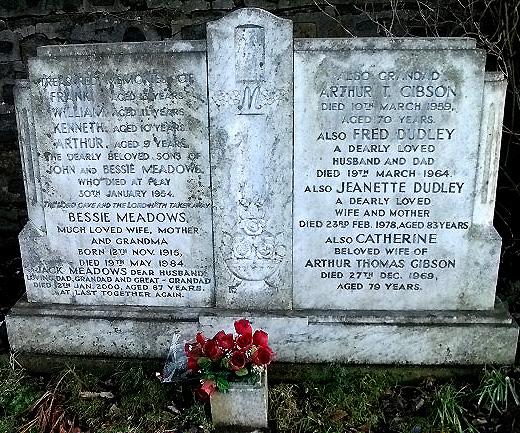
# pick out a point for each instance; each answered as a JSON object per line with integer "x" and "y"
{"x": 358, "y": 337}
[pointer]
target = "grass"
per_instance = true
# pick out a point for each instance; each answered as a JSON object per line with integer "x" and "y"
{"x": 449, "y": 411}
{"x": 495, "y": 390}
{"x": 140, "y": 402}
{"x": 130, "y": 399}
{"x": 17, "y": 395}
{"x": 351, "y": 398}
{"x": 137, "y": 402}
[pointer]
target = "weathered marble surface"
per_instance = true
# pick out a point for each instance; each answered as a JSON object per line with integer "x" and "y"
{"x": 121, "y": 331}
{"x": 367, "y": 43}
{"x": 354, "y": 337}
{"x": 122, "y": 143}
{"x": 250, "y": 104}
{"x": 387, "y": 145}
{"x": 29, "y": 155}
{"x": 494, "y": 97}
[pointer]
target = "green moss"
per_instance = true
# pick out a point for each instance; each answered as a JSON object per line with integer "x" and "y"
{"x": 140, "y": 402}
{"x": 349, "y": 399}
{"x": 330, "y": 399}
{"x": 322, "y": 373}
{"x": 354, "y": 395}
{"x": 17, "y": 395}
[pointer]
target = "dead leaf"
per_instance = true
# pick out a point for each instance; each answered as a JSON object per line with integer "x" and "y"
{"x": 114, "y": 411}
{"x": 89, "y": 394}
{"x": 173, "y": 409}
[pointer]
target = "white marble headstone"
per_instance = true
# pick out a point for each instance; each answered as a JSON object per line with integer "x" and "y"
{"x": 387, "y": 151}
{"x": 122, "y": 143}
{"x": 339, "y": 193}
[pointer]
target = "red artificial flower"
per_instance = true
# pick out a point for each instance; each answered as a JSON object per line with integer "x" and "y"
{"x": 212, "y": 351}
{"x": 193, "y": 350}
{"x": 243, "y": 326}
{"x": 263, "y": 356}
{"x": 244, "y": 341}
{"x": 192, "y": 364}
{"x": 260, "y": 338}
{"x": 205, "y": 391}
{"x": 218, "y": 336}
{"x": 225, "y": 341}
{"x": 201, "y": 339}
{"x": 237, "y": 360}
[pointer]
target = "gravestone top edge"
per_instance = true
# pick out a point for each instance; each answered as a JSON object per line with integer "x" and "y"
{"x": 383, "y": 43}
{"x": 243, "y": 13}
{"x": 122, "y": 48}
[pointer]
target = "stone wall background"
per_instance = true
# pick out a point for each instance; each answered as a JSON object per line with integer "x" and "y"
{"x": 27, "y": 24}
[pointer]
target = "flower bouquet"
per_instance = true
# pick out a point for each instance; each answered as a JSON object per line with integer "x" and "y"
{"x": 228, "y": 358}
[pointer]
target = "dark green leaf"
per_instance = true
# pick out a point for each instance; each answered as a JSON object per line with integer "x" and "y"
{"x": 242, "y": 372}
{"x": 222, "y": 384}
{"x": 204, "y": 363}
{"x": 224, "y": 362}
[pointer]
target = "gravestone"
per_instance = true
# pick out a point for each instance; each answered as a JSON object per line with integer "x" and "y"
{"x": 177, "y": 186}
{"x": 251, "y": 116}
{"x": 123, "y": 177}
{"x": 392, "y": 131}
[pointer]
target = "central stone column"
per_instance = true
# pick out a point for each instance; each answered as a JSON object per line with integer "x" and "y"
{"x": 250, "y": 78}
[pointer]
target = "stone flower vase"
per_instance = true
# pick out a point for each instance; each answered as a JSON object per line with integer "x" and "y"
{"x": 244, "y": 405}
